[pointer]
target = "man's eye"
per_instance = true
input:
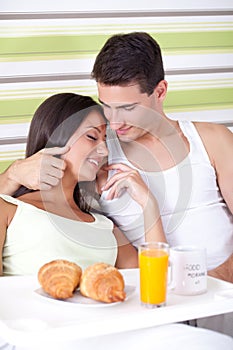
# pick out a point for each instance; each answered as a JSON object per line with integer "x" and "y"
{"x": 92, "y": 137}
{"x": 130, "y": 108}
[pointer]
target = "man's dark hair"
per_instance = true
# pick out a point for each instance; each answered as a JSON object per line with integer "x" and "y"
{"x": 133, "y": 58}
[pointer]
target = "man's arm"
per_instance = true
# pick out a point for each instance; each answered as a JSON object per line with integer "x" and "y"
{"x": 40, "y": 171}
{"x": 224, "y": 165}
{"x": 8, "y": 186}
{"x": 218, "y": 141}
{"x": 224, "y": 271}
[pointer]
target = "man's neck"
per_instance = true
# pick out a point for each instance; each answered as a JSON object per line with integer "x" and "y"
{"x": 158, "y": 151}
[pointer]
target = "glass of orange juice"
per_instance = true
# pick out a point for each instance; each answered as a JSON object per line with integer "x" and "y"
{"x": 153, "y": 267}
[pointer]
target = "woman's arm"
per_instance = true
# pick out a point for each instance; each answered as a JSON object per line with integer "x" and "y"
{"x": 7, "y": 211}
{"x": 2, "y": 240}
{"x": 127, "y": 256}
{"x": 129, "y": 179}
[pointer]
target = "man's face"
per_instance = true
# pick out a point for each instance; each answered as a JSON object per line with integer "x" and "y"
{"x": 130, "y": 113}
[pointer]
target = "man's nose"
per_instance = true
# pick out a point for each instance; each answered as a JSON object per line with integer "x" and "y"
{"x": 115, "y": 125}
{"x": 115, "y": 121}
{"x": 114, "y": 118}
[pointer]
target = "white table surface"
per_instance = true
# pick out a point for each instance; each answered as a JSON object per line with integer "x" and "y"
{"x": 27, "y": 317}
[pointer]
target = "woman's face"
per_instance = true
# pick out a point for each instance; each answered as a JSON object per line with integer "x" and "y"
{"x": 88, "y": 148}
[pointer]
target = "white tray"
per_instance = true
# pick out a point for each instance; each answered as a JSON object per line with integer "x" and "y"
{"x": 27, "y": 318}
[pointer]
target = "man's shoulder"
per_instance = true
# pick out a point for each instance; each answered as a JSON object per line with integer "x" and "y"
{"x": 209, "y": 129}
{"x": 217, "y": 139}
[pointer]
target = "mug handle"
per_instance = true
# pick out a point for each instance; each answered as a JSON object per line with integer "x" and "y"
{"x": 171, "y": 281}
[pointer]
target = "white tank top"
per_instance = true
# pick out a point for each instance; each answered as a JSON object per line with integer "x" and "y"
{"x": 191, "y": 206}
{"x": 35, "y": 237}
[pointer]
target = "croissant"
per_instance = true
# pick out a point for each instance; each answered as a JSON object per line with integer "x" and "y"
{"x": 59, "y": 278}
{"x": 103, "y": 282}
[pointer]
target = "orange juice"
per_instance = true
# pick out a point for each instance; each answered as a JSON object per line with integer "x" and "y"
{"x": 153, "y": 264}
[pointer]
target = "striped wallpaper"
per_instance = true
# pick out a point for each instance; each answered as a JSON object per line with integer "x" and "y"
{"x": 46, "y": 48}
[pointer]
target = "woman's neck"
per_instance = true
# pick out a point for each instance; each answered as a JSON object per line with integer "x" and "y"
{"x": 58, "y": 200}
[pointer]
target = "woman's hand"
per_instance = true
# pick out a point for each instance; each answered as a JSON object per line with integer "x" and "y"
{"x": 130, "y": 180}
{"x": 127, "y": 179}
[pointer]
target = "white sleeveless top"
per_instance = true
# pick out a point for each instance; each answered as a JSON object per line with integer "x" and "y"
{"x": 191, "y": 206}
{"x": 35, "y": 237}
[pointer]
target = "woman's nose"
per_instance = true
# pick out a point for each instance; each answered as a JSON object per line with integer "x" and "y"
{"x": 102, "y": 149}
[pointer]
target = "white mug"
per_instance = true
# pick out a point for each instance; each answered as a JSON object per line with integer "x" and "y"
{"x": 189, "y": 271}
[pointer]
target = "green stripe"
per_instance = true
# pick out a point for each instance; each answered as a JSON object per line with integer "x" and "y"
{"x": 52, "y": 47}
{"x": 4, "y": 164}
{"x": 12, "y": 119}
{"x": 21, "y": 110}
{"x": 18, "y": 111}
{"x": 173, "y": 42}
{"x": 19, "y": 92}
{"x": 103, "y": 28}
{"x": 200, "y": 98}
{"x": 35, "y": 92}
{"x": 42, "y": 92}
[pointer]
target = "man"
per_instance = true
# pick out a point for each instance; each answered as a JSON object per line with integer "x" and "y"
{"x": 187, "y": 166}
{"x": 191, "y": 162}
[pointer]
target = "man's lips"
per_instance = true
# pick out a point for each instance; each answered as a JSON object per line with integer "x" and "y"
{"x": 123, "y": 131}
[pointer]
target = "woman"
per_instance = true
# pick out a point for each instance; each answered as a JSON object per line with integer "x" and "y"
{"x": 39, "y": 226}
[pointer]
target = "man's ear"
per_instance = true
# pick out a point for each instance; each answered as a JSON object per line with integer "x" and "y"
{"x": 161, "y": 89}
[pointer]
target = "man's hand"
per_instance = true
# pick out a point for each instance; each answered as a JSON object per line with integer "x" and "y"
{"x": 41, "y": 171}
{"x": 224, "y": 271}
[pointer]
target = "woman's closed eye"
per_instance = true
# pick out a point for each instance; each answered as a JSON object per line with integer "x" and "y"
{"x": 92, "y": 137}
